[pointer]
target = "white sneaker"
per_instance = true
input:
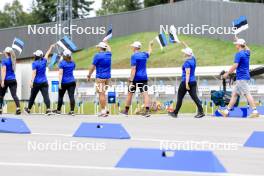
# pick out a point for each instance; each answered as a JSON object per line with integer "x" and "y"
{"x": 254, "y": 114}
{"x": 223, "y": 112}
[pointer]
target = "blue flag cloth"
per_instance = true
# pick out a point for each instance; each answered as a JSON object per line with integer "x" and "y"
{"x": 67, "y": 44}
{"x": 109, "y": 34}
{"x": 161, "y": 39}
{"x": 240, "y": 24}
{"x": 54, "y": 59}
{"x": 18, "y": 44}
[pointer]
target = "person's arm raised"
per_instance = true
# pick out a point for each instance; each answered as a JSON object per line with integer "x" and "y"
{"x": 150, "y": 48}
{"x": 49, "y": 51}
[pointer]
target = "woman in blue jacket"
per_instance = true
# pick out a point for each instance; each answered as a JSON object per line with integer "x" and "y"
{"x": 66, "y": 81}
{"x": 39, "y": 81}
{"x": 8, "y": 78}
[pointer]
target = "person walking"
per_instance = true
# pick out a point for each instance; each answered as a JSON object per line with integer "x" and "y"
{"x": 138, "y": 76}
{"x": 241, "y": 65}
{"x": 188, "y": 83}
{"x": 39, "y": 81}
{"x": 102, "y": 64}
{"x": 8, "y": 78}
{"x": 66, "y": 82}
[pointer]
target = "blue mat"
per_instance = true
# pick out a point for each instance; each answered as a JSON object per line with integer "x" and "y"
{"x": 13, "y": 125}
{"x": 102, "y": 130}
{"x": 236, "y": 112}
{"x": 255, "y": 140}
{"x": 181, "y": 160}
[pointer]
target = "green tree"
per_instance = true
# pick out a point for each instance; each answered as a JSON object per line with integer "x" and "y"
{"x": 45, "y": 11}
{"x": 13, "y": 15}
{"x": 149, "y": 3}
{"x": 116, "y": 6}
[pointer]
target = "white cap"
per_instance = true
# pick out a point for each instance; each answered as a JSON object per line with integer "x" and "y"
{"x": 67, "y": 53}
{"x": 136, "y": 44}
{"x": 8, "y": 50}
{"x": 38, "y": 53}
{"x": 240, "y": 42}
{"x": 101, "y": 45}
{"x": 187, "y": 51}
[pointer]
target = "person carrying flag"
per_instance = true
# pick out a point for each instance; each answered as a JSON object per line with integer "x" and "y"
{"x": 138, "y": 77}
{"x": 241, "y": 65}
{"x": 102, "y": 64}
{"x": 8, "y": 78}
{"x": 188, "y": 83}
{"x": 39, "y": 80}
{"x": 66, "y": 81}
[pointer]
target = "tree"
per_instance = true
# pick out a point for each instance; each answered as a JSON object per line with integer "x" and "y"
{"x": 81, "y": 8}
{"x": 149, "y": 3}
{"x": 45, "y": 11}
{"x": 116, "y": 6}
{"x": 13, "y": 15}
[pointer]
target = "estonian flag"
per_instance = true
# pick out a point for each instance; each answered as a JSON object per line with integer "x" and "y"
{"x": 240, "y": 24}
{"x": 67, "y": 44}
{"x": 161, "y": 39}
{"x": 109, "y": 34}
{"x": 54, "y": 59}
{"x": 173, "y": 35}
{"x": 18, "y": 45}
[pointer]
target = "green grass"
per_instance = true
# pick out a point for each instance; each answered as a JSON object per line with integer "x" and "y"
{"x": 209, "y": 52}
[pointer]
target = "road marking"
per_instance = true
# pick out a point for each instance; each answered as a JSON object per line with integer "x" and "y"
{"x": 144, "y": 139}
{"x": 45, "y": 165}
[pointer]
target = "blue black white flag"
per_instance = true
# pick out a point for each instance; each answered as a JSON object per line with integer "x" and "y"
{"x": 67, "y": 44}
{"x": 18, "y": 45}
{"x": 161, "y": 39}
{"x": 109, "y": 34}
{"x": 54, "y": 59}
{"x": 240, "y": 24}
{"x": 173, "y": 38}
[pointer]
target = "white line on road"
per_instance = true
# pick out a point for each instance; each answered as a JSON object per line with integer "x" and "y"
{"x": 44, "y": 165}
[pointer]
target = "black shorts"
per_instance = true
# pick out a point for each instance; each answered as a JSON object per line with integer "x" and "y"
{"x": 142, "y": 85}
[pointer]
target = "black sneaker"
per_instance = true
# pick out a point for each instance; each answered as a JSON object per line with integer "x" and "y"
{"x": 18, "y": 112}
{"x": 199, "y": 115}
{"x": 146, "y": 114}
{"x": 173, "y": 114}
{"x": 56, "y": 112}
{"x": 48, "y": 112}
{"x": 27, "y": 111}
{"x": 124, "y": 112}
{"x": 71, "y": 113}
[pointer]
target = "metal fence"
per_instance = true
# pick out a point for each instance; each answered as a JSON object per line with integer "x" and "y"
{"x": 196, "y": 12}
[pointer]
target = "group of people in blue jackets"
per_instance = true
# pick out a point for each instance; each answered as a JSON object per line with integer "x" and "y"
{"x": 39, "y": 81}
{"x": 138, "y": 78}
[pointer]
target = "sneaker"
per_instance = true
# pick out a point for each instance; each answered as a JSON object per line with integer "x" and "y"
{"x": 173, "y": 114}
{"x": 71, "y": 113}
{"x": 223, "y": 112}
{"x": 146, "y": 114}
{"x": 26, "y": 111}
{"x": 254, "y": 114}
{"x": 56, "y": 112}
{"x": 199, "y": 115}
{"x": 18, "y": 111}
{"x": 102, "y": 114}
{"x": 48, "y": 112}
{"x": 124, "y": 112}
